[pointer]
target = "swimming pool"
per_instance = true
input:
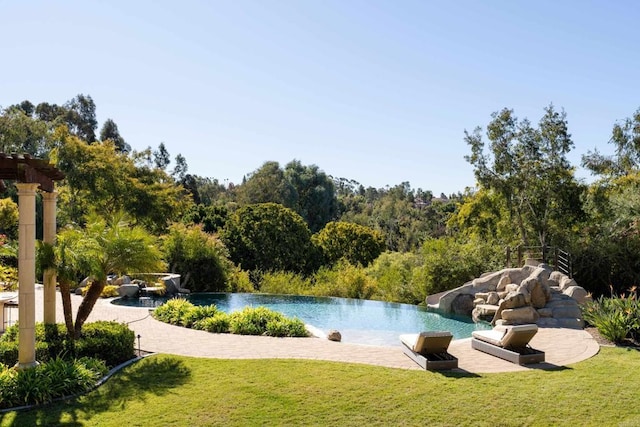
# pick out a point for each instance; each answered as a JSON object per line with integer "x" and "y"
{"x": 359, "y": 321}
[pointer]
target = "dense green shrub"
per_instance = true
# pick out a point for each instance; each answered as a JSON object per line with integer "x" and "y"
{"x": 47, "y": 381}
{"x": 218, "y": 323}
{"x": 51, "y": 342}
{"x": 173, "y": 311}
{"x": 239, "y": 281}
{"x": 269, "y": 237}
{"x": 448, "y": 264}
{"x": 200, "y": 258}
{"x": 397, "y": 279}
{"x": 358, "y": 244}
{"x": 112, "y": 342}
{"x": 197, "y": 313}
{"x": 617, "y": 318}
{"x": 283, "y": 282}
{"x": 286, "y": 328}
{"x": 262, "y": 321}
{"x": 343, "y": 280}
{"x": 249, "y": 321}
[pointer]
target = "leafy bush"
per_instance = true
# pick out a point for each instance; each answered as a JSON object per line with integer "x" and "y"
{"x": 8, "y": 276}
{"x": 219, "y": 323}
{"x": 173, "y": 311}
{"x": 197, "y": 313}
{"x": 200, "y": 258}
{"x": 249, "y": 321}
{"x": 343, "y": 280}
{"x": 448, "y": 264}
{"x": 282, "y": 282}
{"x": 112, "y": 342}
{"x": 356, "y": 243}
{"x": 109, "y": 291}
{"x": 47, "y": 381}
{"x": 269, "y": 237}
{"x": 617, "y": 318}
{"x": 262, "y": 321}
{"x": 239, "y": 281}
{"x": 397, "y": 278}
{"x": 286, "y": 328}
{"x": 51, "y": 342}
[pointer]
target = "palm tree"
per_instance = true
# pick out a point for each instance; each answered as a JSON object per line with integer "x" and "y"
{"x": 105, "y": 246}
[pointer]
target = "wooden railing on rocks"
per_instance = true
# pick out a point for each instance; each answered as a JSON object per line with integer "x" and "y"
{"x": 555, "y": 257}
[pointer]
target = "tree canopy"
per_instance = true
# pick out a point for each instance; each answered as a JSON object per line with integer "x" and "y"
{"x": 528, "y": 166}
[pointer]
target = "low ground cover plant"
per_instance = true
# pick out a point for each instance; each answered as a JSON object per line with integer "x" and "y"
{"x": 249, "y": 321}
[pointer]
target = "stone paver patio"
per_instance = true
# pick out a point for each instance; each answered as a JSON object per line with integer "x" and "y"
{"x": 562, "y": 346}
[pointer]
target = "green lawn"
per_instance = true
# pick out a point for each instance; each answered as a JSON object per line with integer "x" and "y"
{"x": 169, "y": 390}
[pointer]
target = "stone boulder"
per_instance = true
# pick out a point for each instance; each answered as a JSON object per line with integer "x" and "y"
{"x": 519, "y": 316}
{"x": 129, "y": 290}
{"x": 484, "y": 312}
{"x": 493, "y": 298}
{"x": 578, "y": 293}
{"x": 463, "y": 304}
{"x": 334, "y": 335}
{"x": 503, "y": 282}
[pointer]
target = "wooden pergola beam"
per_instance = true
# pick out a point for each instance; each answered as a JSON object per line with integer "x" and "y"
{"x": 29, "y": 170}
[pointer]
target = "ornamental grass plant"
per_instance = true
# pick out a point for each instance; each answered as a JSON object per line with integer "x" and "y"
{"x": 616, "y": 318}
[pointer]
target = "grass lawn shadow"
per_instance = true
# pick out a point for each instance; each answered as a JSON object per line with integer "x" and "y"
{"x": 153, "y": 375}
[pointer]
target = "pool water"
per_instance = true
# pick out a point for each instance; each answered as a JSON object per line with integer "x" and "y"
{"x": 359, "y": 321}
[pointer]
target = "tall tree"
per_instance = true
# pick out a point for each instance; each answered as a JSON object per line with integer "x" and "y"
{"x": 110, "y": 131}
{"x": 316, "y": 199}
{"x": 181, "y": 168}
{"x": 81, "y": 117}
{"x": 161, "y": 157}
{"x": 100, "y": 178}
{"x": 267, "y": 184}
{"x": 21, "y": 133}
{"x": 626, "y": 139}
{"x": 528, "y": 167}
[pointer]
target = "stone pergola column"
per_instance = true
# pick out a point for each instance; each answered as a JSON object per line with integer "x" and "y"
{"x": 26, "y": 275}
{"x": 49, "y": 236}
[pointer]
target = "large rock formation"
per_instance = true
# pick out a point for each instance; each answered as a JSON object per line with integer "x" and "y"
{"x": 531, "y": 294}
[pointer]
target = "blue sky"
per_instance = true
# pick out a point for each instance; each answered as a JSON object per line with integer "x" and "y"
{"x": 376, "y": 91}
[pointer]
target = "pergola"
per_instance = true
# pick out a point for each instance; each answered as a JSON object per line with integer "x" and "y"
{"x": 29, "y": 174}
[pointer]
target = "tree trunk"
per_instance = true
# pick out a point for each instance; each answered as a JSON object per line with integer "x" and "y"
{"x": 89, "y": 300}
{"x": 65, "y": 293}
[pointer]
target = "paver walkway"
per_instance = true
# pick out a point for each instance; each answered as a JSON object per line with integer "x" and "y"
{"x": 562, "y": 346}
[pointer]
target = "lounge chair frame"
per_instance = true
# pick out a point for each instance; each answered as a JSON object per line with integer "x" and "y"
{"x": 521, "y": 356}
{"x": 432, "y": 353}
{"x": 512, "y": 345}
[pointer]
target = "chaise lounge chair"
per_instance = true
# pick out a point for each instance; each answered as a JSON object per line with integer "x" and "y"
{"x": 429, "y": 350}
{"x": 508, "y": 342}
